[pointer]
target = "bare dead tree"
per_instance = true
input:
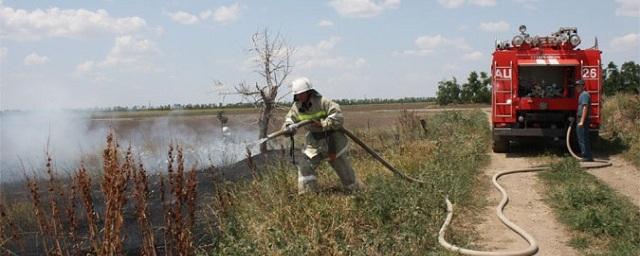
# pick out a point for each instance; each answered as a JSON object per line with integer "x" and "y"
{"x": 273, "y": 63}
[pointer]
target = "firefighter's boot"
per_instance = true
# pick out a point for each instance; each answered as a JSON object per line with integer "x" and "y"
{"x": 342, "y": 166}
{"x": 307, "y": 180}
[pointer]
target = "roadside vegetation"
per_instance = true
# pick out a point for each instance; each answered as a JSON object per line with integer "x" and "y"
{"x": 622, "y": 123}
{"x": 621, "y": 109}
{"x": 388, "y": 217}
{"x": 603, "y": 222}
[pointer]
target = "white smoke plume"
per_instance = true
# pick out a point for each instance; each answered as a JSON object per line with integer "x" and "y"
{"x": 73, "y": 137}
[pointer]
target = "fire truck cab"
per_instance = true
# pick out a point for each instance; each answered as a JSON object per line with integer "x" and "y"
{"x": 533, "y": 80}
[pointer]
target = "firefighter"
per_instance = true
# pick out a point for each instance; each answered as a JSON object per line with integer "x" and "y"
{"x": 324, "y": 139}
{"x": 582, "y": 127}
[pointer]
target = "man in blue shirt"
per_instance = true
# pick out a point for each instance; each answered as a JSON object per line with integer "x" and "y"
{"x": 582, "y": 127}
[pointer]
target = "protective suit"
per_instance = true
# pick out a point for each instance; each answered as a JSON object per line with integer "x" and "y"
{"x": 321, "y": 142}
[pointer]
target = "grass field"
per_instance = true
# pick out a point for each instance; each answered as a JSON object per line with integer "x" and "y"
{"x": 265, "y": 216}
{"x": 252, "y": 111}
{"x": 389, "y": 217}
{"x": 603, "y": 223}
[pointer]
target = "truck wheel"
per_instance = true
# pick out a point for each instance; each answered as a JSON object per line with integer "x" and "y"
{"x": 500, "y": 145}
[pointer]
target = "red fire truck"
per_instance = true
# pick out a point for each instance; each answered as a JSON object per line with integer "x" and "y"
{"x": 533, "y": 80}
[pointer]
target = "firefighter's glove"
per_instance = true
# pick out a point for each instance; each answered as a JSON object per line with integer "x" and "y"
{"x": 317, "y": 123}
{"x": 291, "y": 129}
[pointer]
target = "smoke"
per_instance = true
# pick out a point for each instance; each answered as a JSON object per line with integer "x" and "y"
{"x": 72, "y": 138}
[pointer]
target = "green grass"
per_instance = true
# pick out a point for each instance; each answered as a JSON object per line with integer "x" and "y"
{"x": 621, "y": 120}
{"x": 389, "y": 217}
{"x": 604, "y": 222}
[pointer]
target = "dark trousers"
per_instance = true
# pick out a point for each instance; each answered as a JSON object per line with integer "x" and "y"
{"x": 583, "y": 140}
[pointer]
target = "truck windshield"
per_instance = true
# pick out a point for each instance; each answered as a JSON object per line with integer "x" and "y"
{"x": 545, "y": 81}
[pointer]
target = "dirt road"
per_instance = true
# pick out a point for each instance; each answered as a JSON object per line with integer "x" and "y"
{"x": 622, "y": 177}
{"x": 527, "y": 209}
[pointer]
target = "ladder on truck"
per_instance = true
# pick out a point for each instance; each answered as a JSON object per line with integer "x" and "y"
{"x": 596, "y": 77}
{"x": 501, "y": 91}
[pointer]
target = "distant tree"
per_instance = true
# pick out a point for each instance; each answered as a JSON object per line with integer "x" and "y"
{"x": 630, "y": 74}
{"x": 612, "y": 79}
{"x": 625, "y": 79}
{"x": 272, "y": 55}
{"x": 484, "y": 95}
{"x": 471, "y": 89}
{"x": 448, "y": 92}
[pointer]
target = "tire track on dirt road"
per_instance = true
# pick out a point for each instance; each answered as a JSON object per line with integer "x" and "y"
{"x": 526, "y": 209}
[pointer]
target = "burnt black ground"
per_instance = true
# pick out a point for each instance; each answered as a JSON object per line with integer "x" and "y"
{"x": 207, "y": 179}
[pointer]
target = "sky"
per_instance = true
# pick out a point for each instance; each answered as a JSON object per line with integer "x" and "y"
{"x": 83, "y": 54}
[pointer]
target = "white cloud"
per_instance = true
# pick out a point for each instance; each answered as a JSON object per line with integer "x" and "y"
{"x": 128, "y": 52}
{"x": 20, "y": 24}
{"x": 363, "y": 8}
{"x": 625, "y": 43}
{"x": 3, "y": 54}
{"x": 629, "y": 8}
{"x": 483, "y": 2}
{"x": 428, "y": 44}
{"x": 35, "y": 59}
{"x": 321, "y": 55}
{"x": 184, "y": 18}
{"x": 475, "y": 55}
{"x": 227, "y": 14}
{"x": 459, "y": 3}
{"x": 222, "y": 15}
{"x": 499, "y": 26}
{"x": 451, "y": 3}
{"x": 528, "y": 4}
{"x": 324, "y": 23}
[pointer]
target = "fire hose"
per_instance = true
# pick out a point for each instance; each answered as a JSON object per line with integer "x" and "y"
{"x": 357, "y": 140}
{"x": 533, "y": 245}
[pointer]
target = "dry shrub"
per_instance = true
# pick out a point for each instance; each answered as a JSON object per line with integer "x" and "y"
{"x": 621, "y": 114}
{"x": 59, "y": 211}
{"x": 409, "y": 124}
{"x": 114, "y": 187}
{"x": 179, "y": 206}
{"x": 141, "y": 197}
{"x": 9, "y": 232}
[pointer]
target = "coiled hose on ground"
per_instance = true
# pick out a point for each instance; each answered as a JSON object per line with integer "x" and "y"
{"x": 533, "y": 245}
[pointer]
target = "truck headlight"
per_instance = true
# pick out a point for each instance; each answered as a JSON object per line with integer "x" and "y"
{"x": 574, "y": 40}
{"x": 522, "y": 29}
{"x": 517, "y": 41}
{"x": 528, "y": 40}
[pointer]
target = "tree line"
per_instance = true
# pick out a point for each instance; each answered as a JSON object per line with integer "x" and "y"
{"x": 626, "y": 79}
{"x": 477, "y": 88}
{"x": 286, "y": 104}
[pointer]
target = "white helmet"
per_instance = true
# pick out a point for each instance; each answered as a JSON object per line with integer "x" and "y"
{"x": 300, "y": 85}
